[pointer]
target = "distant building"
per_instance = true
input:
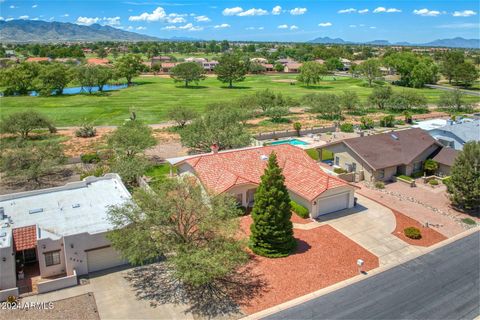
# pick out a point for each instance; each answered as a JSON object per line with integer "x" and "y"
{"x": 98, "y": 61}
{"x": 38, "y": 59}
{"x": 456, "y": 134}
{"x": 209, "y": 65}
{"x": 292, "y": 67}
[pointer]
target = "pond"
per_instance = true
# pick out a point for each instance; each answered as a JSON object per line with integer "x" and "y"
{"x": 77, "y": 90}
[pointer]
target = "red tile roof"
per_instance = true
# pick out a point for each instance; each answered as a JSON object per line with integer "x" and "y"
{"x": 37, "y": 59}
{"x": 222, "y": 171}
{"x": 25, "y": 238}
{"x": 98, "y": 61}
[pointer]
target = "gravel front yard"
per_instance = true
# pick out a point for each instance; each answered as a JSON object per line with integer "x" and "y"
{"x": 323, "y": 257}
{"x": 79, "y": 307}
{"x": 429, "y": 235}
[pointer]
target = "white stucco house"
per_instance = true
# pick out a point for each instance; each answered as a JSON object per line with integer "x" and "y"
{"x": 238, "y": 173}
{"x": 50, "y": 236}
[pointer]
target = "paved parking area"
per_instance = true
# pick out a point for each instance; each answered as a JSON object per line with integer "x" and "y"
{"x": 371, "y": 225}
{"x": 115, "y": 299}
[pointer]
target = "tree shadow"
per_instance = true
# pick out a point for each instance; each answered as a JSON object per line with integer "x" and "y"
{"x": 156, "y": 283}
{"x": 316, "y": 87}
{"x": 302, "y": 247}
{"x": 236, "y": 87}
{"x": 191, "y": 87}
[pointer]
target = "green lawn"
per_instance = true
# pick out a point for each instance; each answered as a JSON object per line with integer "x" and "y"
{"x": 153, "y": 97}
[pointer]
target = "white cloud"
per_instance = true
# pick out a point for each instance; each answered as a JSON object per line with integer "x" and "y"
{"x": 222, "y": 26}
{"x": 349, "y": 10}
{"x": 129, "y": 28}
{"x": 386, "y": 10}
{"x": 373, "y": 27}
{"x": 460, "y": 26}
{"x": 87, "y": 21}
{"x": 12, "y": 7}
{"x": 2, "y": 18}
{"x": 66, "y": 15}
{"x": 112, "y": 21}
{"x": 156, "y": 15}
{"x": 51, "y": 18}
{"x": 141, "y": 28}
{"x": 34, "y": 6}
{"x": 253, "y": 12}
{"x": 464, "y": 13}
{"x": 187, "y": 27}
{"x": 9, "y": 19}
{"x": 202, "y": 19}
{"x": 23, "y": 17}
{"x": 261, "y": 28}
{"x": 363, "y": 11}
{"x": 276, "y": 10}
{"x": 325, "y": 24}
{"x": 426, "y": 13}
{"x": 298, "y": 11}
{"x": 293, "y": 27}
{"x": 176, "y": 20}
{"x": 283, "y": 26}
{"x": 353, "y": 26}
{"x": 232, "y": 11}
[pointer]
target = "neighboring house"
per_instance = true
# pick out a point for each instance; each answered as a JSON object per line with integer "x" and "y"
{"x": 167, "y": 66}
{"x": 284, "y": 61}
{"x": 380, "y": 157}
{"x": 268, "y": 67}
{"x": 58, "y": 232}
{"x": 209, "y": 65}
{"x": 238, "y": 172}
{"x": 98, "y": 61}
{"x": 346, "y": 63}
{"x": 292, "y": 67}
{"x": 445, "y": 159}
{"x": 160, "y": 59}
{"x": 258, "y": 60}
{"x": 196, "y": 59}
{"x": 455, "y": 135}
{"x": 430, "y": 124}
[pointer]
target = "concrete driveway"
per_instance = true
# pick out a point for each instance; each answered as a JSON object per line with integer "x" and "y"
{"x": 371, "y": 225}
{"x": 115, "y": 299}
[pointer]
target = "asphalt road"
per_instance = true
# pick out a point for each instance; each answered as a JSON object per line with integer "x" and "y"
{"x": 443, "y": 284}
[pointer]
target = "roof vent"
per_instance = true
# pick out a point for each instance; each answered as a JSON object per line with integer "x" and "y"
{"x": 264, "y": 157}
{"x": 76, "y": 205}
{"x": 394, "y": 136}
{"x": 36, "y": 210}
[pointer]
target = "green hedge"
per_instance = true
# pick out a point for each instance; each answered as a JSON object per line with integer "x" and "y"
{"x": 339, "y": 170}
{"x": 346, "y": 127}
{"x": 404, "y": 177}
{"x": 300, "y": 210}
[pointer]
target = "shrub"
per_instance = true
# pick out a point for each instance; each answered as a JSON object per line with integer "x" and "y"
{"x": 379, "y": 185}
{"x": 388, "y": 121}
{"x": 96, "y": 172}
{"x": 469, "y": 221}
{"x": 446, "y": 180}
{"x": 300, "y": 210}
{"x": 366, "y": 123}
{"x": 86, "y": 131}
{"x": 433, "y": 182}
{"x": 339, "y": 170}
{"x": 417, "y": 174}
{"x": 404, "y": 177}
{"x": 90, "y": 158}
{"x": 412, "y": 233}
{"x": 346, "y": 127}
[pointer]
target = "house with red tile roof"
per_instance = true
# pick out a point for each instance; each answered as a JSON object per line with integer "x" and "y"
{"x": 98, "y": 61}
{"x": 38, "y": 59}
{"x": 57, "y": 232}
{"x": 238, "y": 172}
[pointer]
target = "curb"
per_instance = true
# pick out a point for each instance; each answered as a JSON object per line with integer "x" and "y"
{"x": 358, "y": 278}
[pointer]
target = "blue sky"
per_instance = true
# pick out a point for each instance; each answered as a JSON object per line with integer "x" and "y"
{"x": 264, "y": 20}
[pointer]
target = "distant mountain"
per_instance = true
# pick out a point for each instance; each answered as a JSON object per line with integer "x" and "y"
{"x": 328, "y": 40}
{"x": 42, "y": 31}
{"x": 451, "y": 43}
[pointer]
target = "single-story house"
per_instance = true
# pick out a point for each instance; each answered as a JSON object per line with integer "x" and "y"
{"x": 98, "y": 61}
{"x": 167, "y": 66}
{"x": 430, "y": 124}
{"x": 268, "y": 67}
{"x": 292, "y": 67}
{"x": 58, "y": 232}
{"x": 238, "y": 172}
{"x": 456, "y": 134}
{"x": 258, "y": 60}
{"x": 445, "y": 159}
{"x": 380, "y": 157}
{"x": 160, "y": 59}
{"x": 209, "y": 65}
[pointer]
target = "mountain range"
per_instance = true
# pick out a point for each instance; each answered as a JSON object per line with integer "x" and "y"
{"x": 42, "y": 31}
{"x": 457, "y": 42}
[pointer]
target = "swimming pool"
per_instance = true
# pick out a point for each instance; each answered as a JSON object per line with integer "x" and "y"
{"x": 293, "y": 142}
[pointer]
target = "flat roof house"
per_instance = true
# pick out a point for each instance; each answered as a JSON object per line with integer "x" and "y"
{"x": 238, "y": 172}
{"x": 455, "y": 135}
{"x": 380, "y": 157}
{"x": 57, "y": 232}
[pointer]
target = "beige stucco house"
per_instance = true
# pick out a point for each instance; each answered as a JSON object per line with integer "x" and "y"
{"x": 382, "y": 156}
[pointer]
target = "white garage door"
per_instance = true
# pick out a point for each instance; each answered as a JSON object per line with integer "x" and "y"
{"x": 103, "y": 258}
{"x": 333, "y": 203}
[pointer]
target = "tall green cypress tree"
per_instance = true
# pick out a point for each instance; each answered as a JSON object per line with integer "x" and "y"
{"x": 272, "y": 230}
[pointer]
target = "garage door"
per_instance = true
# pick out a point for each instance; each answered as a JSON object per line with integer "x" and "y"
{"x": 333, "y": 203}
{"x": 104, "y": 258}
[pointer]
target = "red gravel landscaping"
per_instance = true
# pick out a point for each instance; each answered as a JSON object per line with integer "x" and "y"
{"x": 323, "y": 257}
{"x": 297, "y": 219}
{"x": 429, "y": 236}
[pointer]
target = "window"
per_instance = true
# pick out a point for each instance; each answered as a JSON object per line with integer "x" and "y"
{"x": 381, "y": 174}
{"x": 52, "y": 258}
{"x": 354, "y": 167}
{"x": 417, "y": 166}
{"x": 337, "y": 161}
{"x": 239, "y": 198}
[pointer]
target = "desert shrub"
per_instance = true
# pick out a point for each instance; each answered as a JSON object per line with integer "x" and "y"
{"x": 388, "y": 121}
{"x": 339, "y": 170}
{"x": 86, "y": 131}
{"x": 366, "y": 123}
{"x": 346, "y": 127}
{"x": 90, "y": 158}
{"x": 412, "y": 233}
{"x": 379, "y": 185}
{"x": 433, "y": 182}
{"x": 300, "y": 210}
{"x": 96, "y": 172}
